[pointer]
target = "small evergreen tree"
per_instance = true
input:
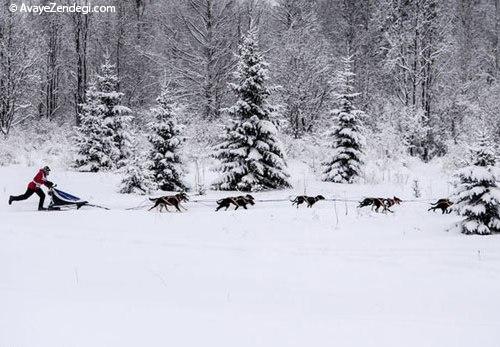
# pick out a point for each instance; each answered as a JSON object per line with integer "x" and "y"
{"x": 345, "y": 163}
{"x": 137, "y": 178}
{"x": 477, "y": 195}
{"x": 165, "y": 161}
{"x": 116, "y": 116}
{"x": 250, "y": 152}
{"x": 95, "y": 150}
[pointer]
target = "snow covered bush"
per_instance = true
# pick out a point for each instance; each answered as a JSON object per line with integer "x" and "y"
{"x": 39, "y": 142}
{"x": 137, "y": 178}
{"x": 250, "y": 153}
{"x": 345, "y": 163}
{"x": 165, "y": 162}
{"x": 102, "y": 138}
{"x": 477, "y": 196}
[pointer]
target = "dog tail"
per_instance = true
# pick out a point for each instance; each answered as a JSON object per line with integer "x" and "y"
{"x": 154, "y": 199}
{"x": 219, "y": 201}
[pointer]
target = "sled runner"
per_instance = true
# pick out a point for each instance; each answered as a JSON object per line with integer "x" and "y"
{"x": 62, "y": 199}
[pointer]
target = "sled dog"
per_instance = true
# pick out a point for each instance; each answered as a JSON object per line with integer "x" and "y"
{"x": 309, "y": 200}
{"x": 170, "y": 200}
{"x": 237, "y": 201}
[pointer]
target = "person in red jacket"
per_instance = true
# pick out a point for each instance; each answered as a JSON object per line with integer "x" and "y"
{"x": 34, "y": 187}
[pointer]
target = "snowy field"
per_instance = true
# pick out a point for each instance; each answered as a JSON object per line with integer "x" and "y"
{"x": 272, "y": 275}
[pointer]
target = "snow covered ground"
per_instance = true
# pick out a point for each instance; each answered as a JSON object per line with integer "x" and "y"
{"x": 272, "y": 275}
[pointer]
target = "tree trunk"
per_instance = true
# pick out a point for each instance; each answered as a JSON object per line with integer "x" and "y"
{"x": 497, "y": 37}
{"x": 81, "y": 22}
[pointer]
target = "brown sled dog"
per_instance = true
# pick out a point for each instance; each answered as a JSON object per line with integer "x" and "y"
{"x": 309, "y": 200}
{"x": 442, "y": 204}
{"x": 170, "y": 200}
{"x": 237, "y": 201}
{"x": 377, "y": 203}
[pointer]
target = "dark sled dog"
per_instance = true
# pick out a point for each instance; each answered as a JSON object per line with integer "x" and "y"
{"x": 442, "y": 204}
{"x": 309, "y": 200}
{"x": 237, "y": 201}
{"x": 377, "y": 203}
{"x": 170, "y": 200}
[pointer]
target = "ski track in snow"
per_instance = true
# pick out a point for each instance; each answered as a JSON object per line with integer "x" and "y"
{"x": 272, "y": 275}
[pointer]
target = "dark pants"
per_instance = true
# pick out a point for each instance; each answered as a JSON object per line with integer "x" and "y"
{"x": 29, "y": 193}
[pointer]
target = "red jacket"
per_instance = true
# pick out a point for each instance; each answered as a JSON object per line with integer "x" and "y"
{"x": 38, "y": 181}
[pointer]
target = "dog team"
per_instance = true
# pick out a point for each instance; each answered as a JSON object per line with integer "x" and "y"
{"x": 377, "y": 204}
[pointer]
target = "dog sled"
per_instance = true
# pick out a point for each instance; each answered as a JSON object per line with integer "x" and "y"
{"x": 61, "y": 200}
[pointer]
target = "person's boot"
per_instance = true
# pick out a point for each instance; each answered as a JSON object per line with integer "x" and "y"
{"x": 11, "y": 198}
{"x": 42, "y": 209}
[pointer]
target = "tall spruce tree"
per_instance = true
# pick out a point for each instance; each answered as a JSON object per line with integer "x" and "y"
{"x": 477, "y": 195}
{"x": 345, "y": 164}
{"x": 95, "y": 150}
{"x": 102, "y": 138}
{"x": 116, "y": 116}
{"x": 250, "y": 153}
{"x": 165, "y": 162}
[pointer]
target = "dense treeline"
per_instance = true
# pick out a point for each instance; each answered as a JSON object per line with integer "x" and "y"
{"x": 427, "y": 70}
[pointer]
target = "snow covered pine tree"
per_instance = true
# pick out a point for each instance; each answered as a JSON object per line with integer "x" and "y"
{"x": 116, "y": 116}
{"x": 250, "y": 153}
{"x": 344, "y": 164}
{"x": 95, "y": 150}
{"x": 477, "y": 195}
{"x": 102, "y": 138}
{"x": 165, "y": 161}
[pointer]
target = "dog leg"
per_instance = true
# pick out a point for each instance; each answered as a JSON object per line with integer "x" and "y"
{"x": 156, "y": 204}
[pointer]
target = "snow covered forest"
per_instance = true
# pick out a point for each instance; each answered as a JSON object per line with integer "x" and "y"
{"x": 333, "y": 166}
{"x": 426, "y": 71}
